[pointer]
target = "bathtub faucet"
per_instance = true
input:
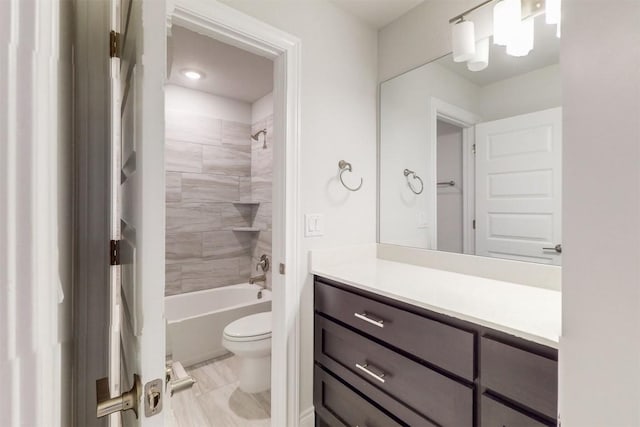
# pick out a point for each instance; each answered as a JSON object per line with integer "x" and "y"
{"x": 261, "y": 278}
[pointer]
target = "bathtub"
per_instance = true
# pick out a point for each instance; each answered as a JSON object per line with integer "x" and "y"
{"x": 196, "y": 320}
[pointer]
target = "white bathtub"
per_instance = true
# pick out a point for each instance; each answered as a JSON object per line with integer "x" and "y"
{"x": 196, "y": 320}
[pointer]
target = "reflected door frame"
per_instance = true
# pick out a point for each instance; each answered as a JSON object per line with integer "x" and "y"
{"x": 452, "y": 114}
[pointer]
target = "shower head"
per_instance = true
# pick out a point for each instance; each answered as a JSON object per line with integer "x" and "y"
{"x": 256, "y": 137}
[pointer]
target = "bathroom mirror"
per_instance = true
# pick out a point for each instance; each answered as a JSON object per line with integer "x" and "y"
{"x": 470, "y": 162}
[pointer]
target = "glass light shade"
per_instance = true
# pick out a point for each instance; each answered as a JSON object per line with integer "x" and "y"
{"x": 552, "y": 11}
{"x": 506, "y": 18}
{"x": 480, "y": 60}
{"x": 522, "y": 41}
{"x": 464, "y": 41}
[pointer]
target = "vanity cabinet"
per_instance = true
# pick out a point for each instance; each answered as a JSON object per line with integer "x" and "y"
{"x": 381, "y": 362}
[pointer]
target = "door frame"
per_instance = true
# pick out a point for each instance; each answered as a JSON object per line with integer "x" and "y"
{"x": 452, "y": 114}
{"x": 223, "y": 23}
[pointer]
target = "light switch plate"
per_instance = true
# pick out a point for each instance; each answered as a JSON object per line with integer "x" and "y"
{"x": 313, "y": 225}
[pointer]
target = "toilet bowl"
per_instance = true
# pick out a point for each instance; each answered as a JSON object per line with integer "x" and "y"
{"x": 249, "y": 338}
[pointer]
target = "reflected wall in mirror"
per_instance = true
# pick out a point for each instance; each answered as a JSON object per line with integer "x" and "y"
{"x": 470, "y": 162}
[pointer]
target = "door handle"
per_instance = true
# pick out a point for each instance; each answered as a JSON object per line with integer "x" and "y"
{"x": 557, "y": 248}
{"x": 127, "y": 400}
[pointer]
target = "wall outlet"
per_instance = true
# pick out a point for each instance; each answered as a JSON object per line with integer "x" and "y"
{"x": 313, "y": 225}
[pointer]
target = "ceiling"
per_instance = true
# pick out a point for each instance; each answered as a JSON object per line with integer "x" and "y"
{"x": 377, "y": 13}
{"x": 546, "y": 52}
{"x": 228, "y": 71}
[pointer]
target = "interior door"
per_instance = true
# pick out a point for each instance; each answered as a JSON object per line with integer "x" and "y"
{"x": 518, "y": 187}
{"x": 137, "y": 117}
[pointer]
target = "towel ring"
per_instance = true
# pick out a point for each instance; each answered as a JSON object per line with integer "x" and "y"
{"x": 344, "y": 167}
{"x": 408, "y": 172}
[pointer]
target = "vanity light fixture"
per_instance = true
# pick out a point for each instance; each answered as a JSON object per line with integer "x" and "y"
{"x": 192, "y": 74}
{"x": 509, "y": 29}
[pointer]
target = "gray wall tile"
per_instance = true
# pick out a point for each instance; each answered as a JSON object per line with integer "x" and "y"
{"x": 193, "y": 217}
{"x": 173, "y": 183}
{"x": 201, "y": 129}
{"x": 227, "y": 159}
{"x": 183, "y": 156}
{"x": 182, "y": 247}
{"x": 207, "y": 187}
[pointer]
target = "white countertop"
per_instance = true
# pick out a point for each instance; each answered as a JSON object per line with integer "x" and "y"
{"x": 527, "y": 312}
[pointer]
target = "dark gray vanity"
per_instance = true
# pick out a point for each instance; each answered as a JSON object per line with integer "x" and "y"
{"x": 380, "y": 363}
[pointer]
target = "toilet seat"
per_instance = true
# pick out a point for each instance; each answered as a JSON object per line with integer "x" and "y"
{"x": 255, "y": 327}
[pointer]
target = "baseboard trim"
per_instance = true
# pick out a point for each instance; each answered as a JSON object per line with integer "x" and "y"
{"x": 308, "y": 417}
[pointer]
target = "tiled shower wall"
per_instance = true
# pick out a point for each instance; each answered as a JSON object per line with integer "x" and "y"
{"x": 261, "y": 185}
{"x": 208, "y": 163}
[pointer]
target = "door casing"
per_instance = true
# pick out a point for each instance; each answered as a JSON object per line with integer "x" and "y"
{"x": 230, "y": 26}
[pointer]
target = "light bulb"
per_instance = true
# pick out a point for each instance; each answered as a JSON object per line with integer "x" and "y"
{"x": 552, "y": 11}
{"x": 480, "y": 60}
{"x": 522, "y": 41}
{"x": 192, "y": 74}
{"x": 464, "y": 41}
{"x": 507, "y": 15}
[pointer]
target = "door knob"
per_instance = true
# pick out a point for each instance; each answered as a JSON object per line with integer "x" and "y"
{"x": 127, "y": 400}
{"x": 557, "y": 248}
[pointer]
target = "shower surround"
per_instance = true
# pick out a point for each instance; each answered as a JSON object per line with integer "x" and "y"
{"x": 218, "y": 192}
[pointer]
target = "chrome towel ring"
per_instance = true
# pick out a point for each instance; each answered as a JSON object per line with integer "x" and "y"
{"x": 408, "y": 172}
{"x": 346, "y": 166}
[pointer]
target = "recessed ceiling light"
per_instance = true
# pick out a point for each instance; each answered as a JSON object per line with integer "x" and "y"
{"x": 192, "y": 74}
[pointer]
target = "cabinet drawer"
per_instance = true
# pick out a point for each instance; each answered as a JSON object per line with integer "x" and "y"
{"x": 495, "y": 414}
{"x": 445, "y": 346}
{"x": 338, "y": 405}
{"x": 519, "y": 375}
{"x": 435, "y": 396}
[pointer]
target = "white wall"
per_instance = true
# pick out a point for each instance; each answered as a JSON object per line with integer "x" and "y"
{"x": 35, "y": 213}
{"x": 537, "y": 90}
{"x": 262, "y": 108}
{"x": 339, "y": 79}
{"x": 184, "y": 100}
{"x": 600, "y": 346}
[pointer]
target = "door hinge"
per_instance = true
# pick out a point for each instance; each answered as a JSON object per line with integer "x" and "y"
{"x": 474, "y": 224}
{"x": 473, "y": 148}
{"x": 114, "y": 252}
{"x": 282, "y": 268}
{"x": 114, "y": 44}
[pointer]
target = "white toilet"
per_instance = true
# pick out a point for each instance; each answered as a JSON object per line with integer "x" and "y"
{"x": 249, "y": 338}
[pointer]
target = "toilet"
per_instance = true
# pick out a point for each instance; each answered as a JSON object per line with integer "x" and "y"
{"x": 249, "y": 338}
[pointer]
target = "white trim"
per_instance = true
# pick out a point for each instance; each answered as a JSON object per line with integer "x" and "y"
{"x": 226, "y": 24}
{"x": 308, "y": 417}
{"x": 449, "y": 113}
{"x": 469, "y": 191}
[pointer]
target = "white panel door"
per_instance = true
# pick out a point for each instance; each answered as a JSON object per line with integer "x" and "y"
{"x": 137, "y": 305}
{"x": 518, "y": 187}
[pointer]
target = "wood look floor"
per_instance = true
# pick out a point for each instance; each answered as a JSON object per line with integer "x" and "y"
{"x": 216, "y": 401}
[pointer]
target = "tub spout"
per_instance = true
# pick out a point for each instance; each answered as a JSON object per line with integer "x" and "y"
{"x": 261, "y": 278}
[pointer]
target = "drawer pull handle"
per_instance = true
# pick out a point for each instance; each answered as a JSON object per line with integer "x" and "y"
{"x": 367, "y": 318}
{"x": 365, "y": 368}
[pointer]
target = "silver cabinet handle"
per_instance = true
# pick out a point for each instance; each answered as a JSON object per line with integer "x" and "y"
{"x": 367, "y": 318}
{"x": 365, "y": 368}
{"x": 557, "y": 248}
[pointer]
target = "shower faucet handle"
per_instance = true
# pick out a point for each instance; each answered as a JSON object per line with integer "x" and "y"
{"x": 264, "y": 263}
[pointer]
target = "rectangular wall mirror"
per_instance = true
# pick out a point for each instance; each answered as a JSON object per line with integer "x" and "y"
{"x": 470, "y": 162}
